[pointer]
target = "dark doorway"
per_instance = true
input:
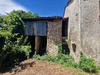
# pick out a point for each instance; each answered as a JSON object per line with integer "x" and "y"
{"x": 43, "y": 45}
{"x": 65, "y": 27}
{"x": 65, "y": 35}
{"x": 31, "y": 41}
{"x": 38, "y": 42}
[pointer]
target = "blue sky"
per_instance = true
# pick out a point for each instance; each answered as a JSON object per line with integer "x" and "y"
{"x": 42, "y": 7}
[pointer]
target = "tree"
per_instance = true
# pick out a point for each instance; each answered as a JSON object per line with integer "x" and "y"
{"x": 14, "y": 18}
{"x": 24, "y": 14}
{"x": 35, "y": 15}
{"x": 11, "y": 32}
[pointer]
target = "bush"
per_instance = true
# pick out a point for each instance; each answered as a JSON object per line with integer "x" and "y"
{"x": 11, "y": 53}
{"x": 87, "y": 64}
{"x": 44, "y": 57}
{"x": 13, "y": 47}
{"x": 66, "y": 60}
{"x": 61, "y": 50}
{"x": 61, "y": 59}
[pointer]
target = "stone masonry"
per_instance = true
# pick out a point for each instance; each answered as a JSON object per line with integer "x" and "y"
{"x": 48, "y": 27}
{"x": 83, "y": 28}
{"x": 72, "y": 12}
{"x": 54, "y": 36}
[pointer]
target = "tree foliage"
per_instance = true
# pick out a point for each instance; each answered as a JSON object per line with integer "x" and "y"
{"x": 11, "y": 34}
{"x": 24, "y": 14}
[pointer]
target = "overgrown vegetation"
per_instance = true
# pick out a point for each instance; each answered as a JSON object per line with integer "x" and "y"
{"x": 86, "y": 64}
{"x": 13, "y": 44}
{"x": 61, "y": 58}
{"x": 14, "y": 47}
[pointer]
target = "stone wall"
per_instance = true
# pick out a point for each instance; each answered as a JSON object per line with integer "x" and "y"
{"x": 84, "y": 28}
{"x": 73, "y": 13}
{"x": 54, "y": 36}
{"x": 90, "y": 28}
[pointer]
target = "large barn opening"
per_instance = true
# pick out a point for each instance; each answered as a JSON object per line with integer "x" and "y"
{"x": 65, "y": 35}
{"x": 31, "y": 41}
{"x": 38, "y": 44}
{"x": 37, "y": 35}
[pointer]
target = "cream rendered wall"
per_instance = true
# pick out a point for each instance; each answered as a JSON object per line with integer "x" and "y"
{"x": 90, "y": 28}
{"x": 84, "y": 28}
{"x": 73, "y": 12}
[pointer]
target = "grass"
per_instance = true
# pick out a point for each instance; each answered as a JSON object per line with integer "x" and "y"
{"x": 86, "y": 64}
{"x": 61, "y": 59}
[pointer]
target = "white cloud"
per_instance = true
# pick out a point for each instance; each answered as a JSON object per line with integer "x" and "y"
{"x": 7, "y": 6}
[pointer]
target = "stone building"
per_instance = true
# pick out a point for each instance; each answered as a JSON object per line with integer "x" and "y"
{"x": 83, "y": 28}
{"x": 44, "y": 32}
{"x": 80, "y": 25}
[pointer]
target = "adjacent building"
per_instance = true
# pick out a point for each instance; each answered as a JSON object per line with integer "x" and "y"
{"x": 83, "y": 28}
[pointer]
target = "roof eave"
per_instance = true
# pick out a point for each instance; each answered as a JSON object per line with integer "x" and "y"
{"x": 43, "y": 18}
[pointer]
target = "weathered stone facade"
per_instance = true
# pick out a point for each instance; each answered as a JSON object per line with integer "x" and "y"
{"x": 54, "y": 36}
{"x": 90, "y": 28}
{"x": 83, "y": 28}
{"x": 72, "y": 12}
{"x": 48, "y": 27}
{"x": 83, "y": 17}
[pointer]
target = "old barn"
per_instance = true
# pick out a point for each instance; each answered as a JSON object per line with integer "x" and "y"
{"x": 46, "y": 33}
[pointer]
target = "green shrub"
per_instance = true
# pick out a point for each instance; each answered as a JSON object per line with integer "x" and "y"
{"x": 44, "y": 57}
{"x": 13, "y": 47}
{"x": 11, "y": 53}
{"x": 67, "y": 41}
{"x": 61, "y": 59}
{"x": 87, "y": 64}
{"x": 60, "y": 49}
{"x": 65, "y": 60}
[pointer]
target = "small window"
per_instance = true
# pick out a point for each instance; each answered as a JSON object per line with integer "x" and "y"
{"x": 74, "y": 48}
{"x": 65, "y": 28}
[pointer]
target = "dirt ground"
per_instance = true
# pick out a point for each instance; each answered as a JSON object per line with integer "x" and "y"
{"x": 37, "y": 67}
